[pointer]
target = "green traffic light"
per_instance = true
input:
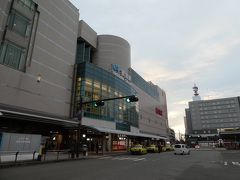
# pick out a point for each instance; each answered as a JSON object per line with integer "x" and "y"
{"x": 98, "y": 103}
{"x": 132, "y": 98}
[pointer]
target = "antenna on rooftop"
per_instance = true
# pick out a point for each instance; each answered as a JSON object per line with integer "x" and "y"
{"x": 196, "y": 96}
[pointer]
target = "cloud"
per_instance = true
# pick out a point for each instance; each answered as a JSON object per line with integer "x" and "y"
{"x": 176, "y": 120}
{"x": 182, "y": 102}
{"x": 206, "y": 54}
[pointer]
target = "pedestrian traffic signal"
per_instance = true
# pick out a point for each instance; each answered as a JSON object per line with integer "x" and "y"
{"x": 98, "y": 103}
{"x": 132, "y": 98}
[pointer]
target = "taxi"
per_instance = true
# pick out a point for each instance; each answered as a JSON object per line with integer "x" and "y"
{"x": 152, "y": 148}
{"x": 138, "y": 149}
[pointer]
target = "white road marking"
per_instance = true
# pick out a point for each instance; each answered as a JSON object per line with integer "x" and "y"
{"x": 139, "y": 159}
{"x": 107, "y": 157}
{"x": 118, "y": 158}
{"x": 236, "y": 163}
{"x": 123, "y": 158}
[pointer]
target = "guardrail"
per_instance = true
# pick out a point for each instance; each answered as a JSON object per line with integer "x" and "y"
{"x": 13, "y": 156}
{"x": 55, "y": 154}
{"x": 49, "y": 155}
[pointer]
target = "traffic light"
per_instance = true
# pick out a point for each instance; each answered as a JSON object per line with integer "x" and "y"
{"x": 132, "y": 98}
{"x": 98, "y": 103}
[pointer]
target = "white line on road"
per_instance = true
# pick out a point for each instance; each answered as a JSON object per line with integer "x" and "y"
{"x": 107, "y": 157}
{"x": 236, "y": 163}
{"x": 139, "y": 159}
{"x": 119, "y": 158}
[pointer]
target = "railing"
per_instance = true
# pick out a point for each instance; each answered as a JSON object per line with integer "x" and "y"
{"x": 14, "y": 156}
{"x": 49, "y": 155}
{"x": 56, "y": 154}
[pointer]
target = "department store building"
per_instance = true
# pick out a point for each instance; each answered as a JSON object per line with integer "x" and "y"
{"x": 50, "y": 64}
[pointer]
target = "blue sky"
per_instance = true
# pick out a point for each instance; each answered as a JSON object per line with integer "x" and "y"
{"x": 175, "y": 44}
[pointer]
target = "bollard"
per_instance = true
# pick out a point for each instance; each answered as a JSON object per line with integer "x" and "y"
{"x": 58, "y": 155}
{"x": 34, "y": 155}
{"x": 16, "y": 156}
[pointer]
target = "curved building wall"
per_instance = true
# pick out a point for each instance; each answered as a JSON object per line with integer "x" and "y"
{"x": 112, "y": 50}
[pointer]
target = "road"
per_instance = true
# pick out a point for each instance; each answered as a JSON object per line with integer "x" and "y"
{"x": 200, "y": 165}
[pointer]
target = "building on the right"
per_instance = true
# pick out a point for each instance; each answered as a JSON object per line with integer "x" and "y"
{"x": 213, "y": 121}
{"x": 172, "y": 136}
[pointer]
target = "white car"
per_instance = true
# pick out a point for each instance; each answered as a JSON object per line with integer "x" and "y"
{"x": 181, "y": 149}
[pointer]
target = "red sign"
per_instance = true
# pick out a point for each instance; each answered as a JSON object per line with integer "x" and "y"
{"x": 158, "y": 111}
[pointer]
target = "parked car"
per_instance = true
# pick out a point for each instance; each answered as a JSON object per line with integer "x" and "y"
{"x": 181, "y": 149}
{"x": 197, "y": 147}
{"x": 169, "y": 147}
{"x": 138, "y": 149}
{"x": 152, "y": 148}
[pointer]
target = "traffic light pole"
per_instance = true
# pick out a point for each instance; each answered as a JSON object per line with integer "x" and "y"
{"x": 132, "y": 98}
{"x": 109, "y": 99}
{"x": 79, "y": 128}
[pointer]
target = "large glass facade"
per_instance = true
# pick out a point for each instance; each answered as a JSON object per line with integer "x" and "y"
{"x": 94, "y": 83}
{"x": 144, "y": 85}
{"x": 84, "y": 51}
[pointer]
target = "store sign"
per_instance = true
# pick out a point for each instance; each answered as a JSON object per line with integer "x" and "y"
{"x": 158, "y": 111}
{"x": 117, "y": 70}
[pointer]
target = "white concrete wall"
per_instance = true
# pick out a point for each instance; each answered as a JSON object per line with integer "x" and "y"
{"x": 149, "y": 121}
{"x": 87, "y": 33}
{"x": 53, "y": 58}
{"x": 112, "y": 50}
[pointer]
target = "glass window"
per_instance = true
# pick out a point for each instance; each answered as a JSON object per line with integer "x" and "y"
{"x": 13, "y": 56}
{"x": 19, "y": 24}
{"x": 28, "y": 3}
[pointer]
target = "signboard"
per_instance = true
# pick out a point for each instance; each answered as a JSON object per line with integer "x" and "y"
{"x": 117, "y": 70}
{"x": 20, "y": 142}
{"x": 158, "y": 111}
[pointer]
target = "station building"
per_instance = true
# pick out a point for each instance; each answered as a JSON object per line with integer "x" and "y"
{"x": 51, "y": 64}
{"x": 37, "y": 56}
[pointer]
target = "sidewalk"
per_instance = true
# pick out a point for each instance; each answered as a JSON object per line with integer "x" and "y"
{"x": 53, "y": 157}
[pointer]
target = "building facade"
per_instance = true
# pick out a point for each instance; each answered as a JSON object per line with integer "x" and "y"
{"x": 103, "y": 71}
{"x": 51, "y": 65}
{"x": 38, "y": 47}
{"x": 172, "y": 136}
{"x": 206, "y": 119}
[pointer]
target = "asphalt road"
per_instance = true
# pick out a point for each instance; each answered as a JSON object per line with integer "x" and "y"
{"x": 200, "y": 165}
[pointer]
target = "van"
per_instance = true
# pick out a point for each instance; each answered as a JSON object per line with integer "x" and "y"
{"x": 181, "y": 149}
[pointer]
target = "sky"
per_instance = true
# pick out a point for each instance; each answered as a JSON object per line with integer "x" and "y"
{"x": 174, "y": 44}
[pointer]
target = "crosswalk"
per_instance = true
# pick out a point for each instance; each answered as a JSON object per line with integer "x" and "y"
{"x": 231, "y": 163}
{"x": 135, "y": 159}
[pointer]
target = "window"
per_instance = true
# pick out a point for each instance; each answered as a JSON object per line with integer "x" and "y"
{"x": 19, "y": 24}
{"x": 28, "y": 3}
{"x": 12, "y": 56}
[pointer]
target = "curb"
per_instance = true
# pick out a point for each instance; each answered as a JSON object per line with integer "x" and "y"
{"x": 29, "y": 163}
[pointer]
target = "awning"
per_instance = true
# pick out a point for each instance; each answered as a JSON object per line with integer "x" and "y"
{"x": 37, "y": 118}
{"x": 203, "y": 135}
{"x": 229, "y": 132}
{"x": 114, "y": 131}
